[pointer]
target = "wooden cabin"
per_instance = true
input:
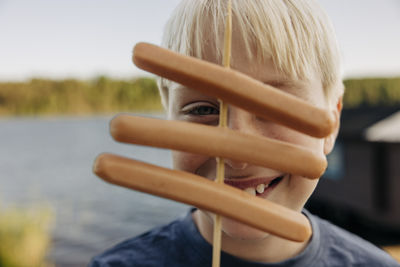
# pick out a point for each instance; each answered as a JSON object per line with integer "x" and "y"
{"x": 360, "y": 190}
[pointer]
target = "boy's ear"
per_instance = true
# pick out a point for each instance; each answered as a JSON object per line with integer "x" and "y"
{"x": 329, "y": 141}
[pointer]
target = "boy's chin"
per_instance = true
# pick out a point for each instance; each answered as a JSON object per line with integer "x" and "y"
{"x": 236, "y": 230}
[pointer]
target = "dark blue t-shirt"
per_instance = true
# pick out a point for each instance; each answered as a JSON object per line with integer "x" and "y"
{"x": 179, "y": 244}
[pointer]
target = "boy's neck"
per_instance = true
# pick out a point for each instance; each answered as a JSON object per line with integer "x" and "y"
{"x": 267, "y": 250}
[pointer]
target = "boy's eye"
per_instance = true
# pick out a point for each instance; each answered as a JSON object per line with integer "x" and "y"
{"x": 204, "y": 110}
{"x": 201, "y": 110}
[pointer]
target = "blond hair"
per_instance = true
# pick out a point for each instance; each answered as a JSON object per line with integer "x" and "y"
{"x": 295, "y": 34}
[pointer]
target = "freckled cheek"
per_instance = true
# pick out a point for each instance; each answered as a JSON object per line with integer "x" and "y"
{"x": 189, "y": 162}
{"x": 299, "y": 190}
{"x": 303, "y": 186}
{"x": 301, "y": 139}
{"x": 313, "y": 143}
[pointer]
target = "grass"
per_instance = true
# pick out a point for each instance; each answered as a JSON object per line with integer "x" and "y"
{"x": 25, "y": 236}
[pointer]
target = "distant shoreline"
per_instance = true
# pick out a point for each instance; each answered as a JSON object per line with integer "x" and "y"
{"x": 104, "y": 95}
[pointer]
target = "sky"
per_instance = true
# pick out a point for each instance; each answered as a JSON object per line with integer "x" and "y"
{"x": 87, "y": 38}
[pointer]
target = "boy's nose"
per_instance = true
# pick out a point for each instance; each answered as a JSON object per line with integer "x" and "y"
{"x": 235, "y": 165}
{"x": 240, "y": 120}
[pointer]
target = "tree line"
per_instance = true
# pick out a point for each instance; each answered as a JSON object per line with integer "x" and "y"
{"x": 71, "y": 96}
{"x": 107, "y": 95}
{"x": 372, "y": 92}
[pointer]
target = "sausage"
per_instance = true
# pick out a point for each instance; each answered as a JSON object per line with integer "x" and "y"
{"x": 236, "y": 88}
{"x": 204, "y": 194}
{"x": 221, "y": 142}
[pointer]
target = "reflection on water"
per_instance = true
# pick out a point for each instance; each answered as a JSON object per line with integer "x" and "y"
{"x": 49, "y": 160}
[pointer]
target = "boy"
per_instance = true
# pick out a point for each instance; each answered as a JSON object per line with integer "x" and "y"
{"x": 291, "y": 46}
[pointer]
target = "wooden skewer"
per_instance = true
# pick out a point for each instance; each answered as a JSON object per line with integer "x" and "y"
{"x": 192, "y": 137}
{"x": 205, "y": 194}
{"x": 223, "y": 115}
{"x": 236, "y": 88}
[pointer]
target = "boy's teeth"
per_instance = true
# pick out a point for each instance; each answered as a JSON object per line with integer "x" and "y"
{"x": 251, "y": 191}
{"x": 260, "y": 188}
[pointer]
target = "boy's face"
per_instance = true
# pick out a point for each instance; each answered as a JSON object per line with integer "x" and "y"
{"x": 290, "y": 191}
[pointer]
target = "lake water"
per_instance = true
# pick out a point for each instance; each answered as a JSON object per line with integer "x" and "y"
{"x": 50, "y": 160}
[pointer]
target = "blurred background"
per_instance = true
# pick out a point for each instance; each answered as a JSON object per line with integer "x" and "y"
{"x": 65, "y": 70}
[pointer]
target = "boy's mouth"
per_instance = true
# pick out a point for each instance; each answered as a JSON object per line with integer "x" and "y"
{"x": 256, "y": 186}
